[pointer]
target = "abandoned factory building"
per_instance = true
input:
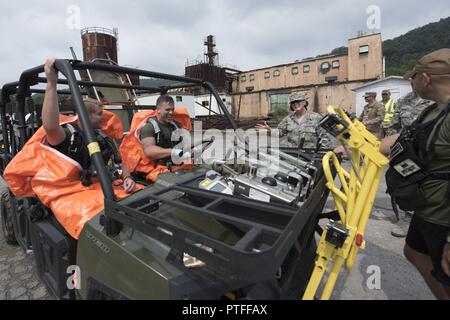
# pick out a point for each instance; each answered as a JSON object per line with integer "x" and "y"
{"x": 325, "y": 80}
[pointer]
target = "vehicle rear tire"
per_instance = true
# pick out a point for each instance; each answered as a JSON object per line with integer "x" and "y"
{"x": 7, "y": 211}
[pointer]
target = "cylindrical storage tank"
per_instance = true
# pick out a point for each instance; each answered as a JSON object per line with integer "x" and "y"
{"x": 99, "y": 43}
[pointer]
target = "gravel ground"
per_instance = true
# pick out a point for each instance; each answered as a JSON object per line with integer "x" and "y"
{"x": 18, "y": 276}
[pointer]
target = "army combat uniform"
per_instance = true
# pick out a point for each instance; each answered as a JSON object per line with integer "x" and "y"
{"x": 306, "y": 129}
{"x": 406, "y": 112}
{"x": 372, "y": 117}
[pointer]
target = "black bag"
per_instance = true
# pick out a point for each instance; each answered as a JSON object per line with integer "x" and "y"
{"x": 407, "y": 193}
{"x": 409, "y": 160}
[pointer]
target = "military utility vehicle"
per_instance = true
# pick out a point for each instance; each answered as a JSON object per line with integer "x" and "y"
{"x": 223, "y": 230}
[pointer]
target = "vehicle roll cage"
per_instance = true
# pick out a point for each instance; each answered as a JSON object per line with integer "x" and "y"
{"x": 254, "y": 219}
{"x": 30, "y": 77}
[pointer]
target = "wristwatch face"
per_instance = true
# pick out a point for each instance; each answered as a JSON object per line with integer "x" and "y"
{"x": 448, "y": 238}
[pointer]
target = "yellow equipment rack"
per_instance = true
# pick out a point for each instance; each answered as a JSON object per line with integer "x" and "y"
{"x": 354, "y": 199}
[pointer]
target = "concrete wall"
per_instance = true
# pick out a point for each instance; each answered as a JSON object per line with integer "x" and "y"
{"x": 258, "y": 104}
{"x": 201, "y": 111}
{"x": 354, "y": 70}
{"x": 251, "y": 104}
{"x": 354, "y": 66}
{"x": 365, "y": 65}
{"x": 287, "y": 79}
{"x": 187, "y": 101}
{"x": 336, "y": 95}
{"x": 192, "y": 103}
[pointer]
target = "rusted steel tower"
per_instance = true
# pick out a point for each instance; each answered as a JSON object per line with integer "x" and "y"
{"x": 99, "y": 43}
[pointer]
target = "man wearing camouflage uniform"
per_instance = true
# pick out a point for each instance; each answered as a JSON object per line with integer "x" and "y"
{"x": 407, "y": 110}
{"x": 302, "y": 128}
{"x": 373, "y": 114}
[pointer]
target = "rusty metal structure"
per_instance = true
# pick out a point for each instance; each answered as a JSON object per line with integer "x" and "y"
{"x": 213, "y": 74}
{"x": 210, "y": 43}
{"x": 209, "y": 69}
{"x": 99, "y": 43}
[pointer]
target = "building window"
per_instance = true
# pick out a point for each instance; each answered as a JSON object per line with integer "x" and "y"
{"x": 363, "y": 49}
{"x": 276, "y": 73}
{"x": 205, "y": 103}
{"x": 294, "y": 70}
{"x": 179, "y": 98}
{"x": 306, "y": 68}
{"x": 243, "y": 78}
{"x": 266, "y": 75}
{"x": 279, "y": 101}
{"x": 335, "y": 64}
{"x": 251, "y": 77}
{"x": 325, "y": 66}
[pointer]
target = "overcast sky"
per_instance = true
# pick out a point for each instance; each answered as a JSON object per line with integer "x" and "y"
{"x": 162, "y": 35}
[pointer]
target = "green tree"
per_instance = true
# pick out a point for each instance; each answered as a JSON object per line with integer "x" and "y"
{"x": 403, "y": 52}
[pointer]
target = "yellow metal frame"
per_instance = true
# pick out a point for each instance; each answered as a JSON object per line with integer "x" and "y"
{"x": 354, "y": 200}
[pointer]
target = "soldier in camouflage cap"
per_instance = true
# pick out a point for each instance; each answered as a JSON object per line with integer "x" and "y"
{"x": 408, "y": 108}
{"x": 302, "y": 128}
{"x": 427, "y": 244}
{"x": 373, "y": 114}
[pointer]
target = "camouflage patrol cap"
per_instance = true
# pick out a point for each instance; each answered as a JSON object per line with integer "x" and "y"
{"x": 436, "y": 62}
{"x": 295, "y": 96}
{"x": 370, "y": 94}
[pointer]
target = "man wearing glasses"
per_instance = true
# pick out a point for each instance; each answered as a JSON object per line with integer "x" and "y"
{"x": 419, "y": 173}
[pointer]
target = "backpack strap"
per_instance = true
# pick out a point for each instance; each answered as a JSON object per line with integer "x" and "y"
{"x": 156, "y": 127}
{"x": 110, "y": 145}
{"x": 76, "y": 146}
{"x": 175, "y": 125}
{"x": 108, "y": 149}
{"x": 75, "y": 139}
{"x": 110, "y": 155}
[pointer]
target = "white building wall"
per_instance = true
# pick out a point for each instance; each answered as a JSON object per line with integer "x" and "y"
{"x": 215, "y": 109}
{"x": 181, "y": 101}
{"x": 192, "y": 103}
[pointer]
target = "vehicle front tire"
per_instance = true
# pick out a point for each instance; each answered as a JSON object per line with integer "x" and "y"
{"x": 7, "y": 211}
